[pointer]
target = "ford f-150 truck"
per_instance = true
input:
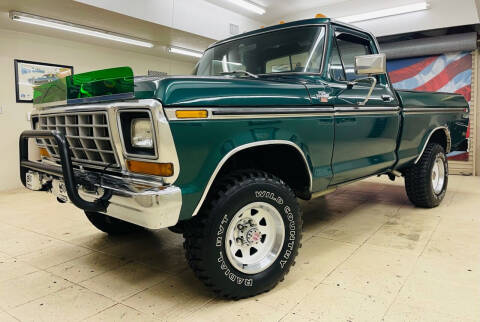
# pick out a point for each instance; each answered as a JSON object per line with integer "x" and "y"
{"x": 285, "y": 112}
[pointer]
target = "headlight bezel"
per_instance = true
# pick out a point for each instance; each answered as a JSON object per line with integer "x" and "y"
{"x": 125, "y": 122}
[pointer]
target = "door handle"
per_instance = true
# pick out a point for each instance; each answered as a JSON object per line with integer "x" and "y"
{"x": 387, "y": 98}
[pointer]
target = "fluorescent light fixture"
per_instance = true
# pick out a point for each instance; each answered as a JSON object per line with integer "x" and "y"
{"x": 249, "y": 6}
{"x": 184, "y": 51}
{"x": 79, "y": 29}
{"x": 419, "y": 6}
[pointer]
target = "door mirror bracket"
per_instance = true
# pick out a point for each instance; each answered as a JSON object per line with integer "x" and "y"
{"x": 373, "y": 79}
{"x": 369, "y": 65}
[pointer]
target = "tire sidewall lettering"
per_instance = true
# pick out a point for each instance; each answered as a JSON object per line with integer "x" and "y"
{"x": 238, "y": 278}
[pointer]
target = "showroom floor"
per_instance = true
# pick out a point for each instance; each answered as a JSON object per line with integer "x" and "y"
{"x": 367, "y": 254}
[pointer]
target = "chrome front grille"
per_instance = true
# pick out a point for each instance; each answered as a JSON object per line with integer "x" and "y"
{"x": 87, "y": 133}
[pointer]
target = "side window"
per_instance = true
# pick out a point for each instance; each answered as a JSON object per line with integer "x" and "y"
{"x": 335, "y": 66}
{"x": 351, "y": 46}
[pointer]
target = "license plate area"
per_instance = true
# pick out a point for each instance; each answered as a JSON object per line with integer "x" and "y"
{"x": 59, "y": 190}
{"x": 33, "y": 181}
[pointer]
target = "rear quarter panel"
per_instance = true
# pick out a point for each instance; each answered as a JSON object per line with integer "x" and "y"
{"x": 422, "y": 113}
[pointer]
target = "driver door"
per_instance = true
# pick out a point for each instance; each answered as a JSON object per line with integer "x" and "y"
{"x": 365, "y": 135}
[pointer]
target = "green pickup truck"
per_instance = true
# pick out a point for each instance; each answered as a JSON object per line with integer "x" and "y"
{"x": 285, "y": 112}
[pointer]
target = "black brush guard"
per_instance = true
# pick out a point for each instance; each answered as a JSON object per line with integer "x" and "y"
{"x": 66, "y": 171}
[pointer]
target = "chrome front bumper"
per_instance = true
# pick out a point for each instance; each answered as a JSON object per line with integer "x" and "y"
{"x": 147, "y": 203}
{"x": 151, "y": 207}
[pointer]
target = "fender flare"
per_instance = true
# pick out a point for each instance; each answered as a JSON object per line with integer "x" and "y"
{"x": 449, "y": 141}
{"x": 242, "y": 147}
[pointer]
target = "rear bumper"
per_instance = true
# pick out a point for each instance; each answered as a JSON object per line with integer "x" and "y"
{"x": 145, "y": 203}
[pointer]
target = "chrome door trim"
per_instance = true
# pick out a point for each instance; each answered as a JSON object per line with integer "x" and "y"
{"x": 224, "y": 113}
{"x": 366, "y": 110}
{"x": 243, "y": 147}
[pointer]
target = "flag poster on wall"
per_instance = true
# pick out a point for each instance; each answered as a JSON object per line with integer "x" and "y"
{"x": 450, "y": 73}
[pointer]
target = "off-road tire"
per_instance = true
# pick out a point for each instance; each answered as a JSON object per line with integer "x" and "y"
{"x": 205, "y": 234}
{"x": 110, "y": 225}
{"x": 418, "y": 182}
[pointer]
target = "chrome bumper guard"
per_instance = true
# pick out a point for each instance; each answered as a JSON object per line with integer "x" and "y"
{"x": 144, "y": 203}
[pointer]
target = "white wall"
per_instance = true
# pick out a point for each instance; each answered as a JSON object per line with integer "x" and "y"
{"x": 83, "y": 57}
{"x": 442, "y": 13}
{"x": 199, "y": 17}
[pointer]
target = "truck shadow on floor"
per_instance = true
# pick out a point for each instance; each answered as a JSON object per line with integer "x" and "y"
{"x": 156, "y": 258}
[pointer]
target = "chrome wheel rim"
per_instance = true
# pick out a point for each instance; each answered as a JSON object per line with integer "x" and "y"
{"x": 438, "y": 175}
{"x": 254, "y": 237}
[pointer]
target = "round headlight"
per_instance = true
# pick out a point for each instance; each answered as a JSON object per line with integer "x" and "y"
{"x": 142, "y": 133}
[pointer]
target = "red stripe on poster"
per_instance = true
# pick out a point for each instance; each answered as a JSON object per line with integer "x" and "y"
{"x": 466, "y": 91}
{"x": 410, "y": 71}
{"x": 452, "y": 70}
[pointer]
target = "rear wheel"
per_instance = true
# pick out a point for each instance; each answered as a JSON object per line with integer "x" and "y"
{"x": 246, "y": 239}
{"x": 111, "y": 225}
{"x": 426, "y": 182}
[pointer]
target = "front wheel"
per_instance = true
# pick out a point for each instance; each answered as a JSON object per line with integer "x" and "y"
{"x": 244, "y": 242}
{"x": 426, "y": 182}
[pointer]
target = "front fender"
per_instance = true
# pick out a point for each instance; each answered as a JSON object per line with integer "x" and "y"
{"x": 204, "y": 145}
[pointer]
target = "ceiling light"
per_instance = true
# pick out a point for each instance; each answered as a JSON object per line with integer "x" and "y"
{"x": 387, "y": 12}
{"x": 184, "y": 51}
{"x": 249, "y": 6}
{"x": 79, "y": 29}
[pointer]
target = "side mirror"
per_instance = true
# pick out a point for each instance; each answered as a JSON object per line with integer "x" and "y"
{"x": 371, "y": 65}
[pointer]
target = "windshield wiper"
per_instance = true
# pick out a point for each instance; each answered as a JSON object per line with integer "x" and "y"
{"x": 236, "y": 72}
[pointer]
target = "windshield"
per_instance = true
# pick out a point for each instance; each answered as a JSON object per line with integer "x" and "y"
{"x": 288, "y": 50}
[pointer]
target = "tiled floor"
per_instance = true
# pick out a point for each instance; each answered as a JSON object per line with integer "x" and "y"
{"x": 367, "y": 255}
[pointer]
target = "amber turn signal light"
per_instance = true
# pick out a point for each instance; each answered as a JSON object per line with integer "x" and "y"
{"x": 191, "y": 114}
{"x": 156, "y": 169}
{"x": 44, "y": 153}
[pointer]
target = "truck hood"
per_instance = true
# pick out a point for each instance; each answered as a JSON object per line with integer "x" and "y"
{"x": 119, "y": 84}
{"x": 222, "y": 91}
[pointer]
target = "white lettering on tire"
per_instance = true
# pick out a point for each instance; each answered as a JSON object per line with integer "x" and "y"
{"x": 230, "y": 275}
{"x": 269, "y": 195}
{"x": 292, "y": 235}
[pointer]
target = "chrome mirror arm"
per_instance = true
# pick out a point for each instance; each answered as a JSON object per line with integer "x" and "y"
{"x": 374, "y": 83}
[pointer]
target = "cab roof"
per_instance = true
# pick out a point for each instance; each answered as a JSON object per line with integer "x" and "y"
{"x": 304, "y": 22}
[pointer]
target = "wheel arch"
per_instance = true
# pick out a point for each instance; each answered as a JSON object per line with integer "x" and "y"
{"x": 241, "y": 150}
{"x": 440, "y": 135}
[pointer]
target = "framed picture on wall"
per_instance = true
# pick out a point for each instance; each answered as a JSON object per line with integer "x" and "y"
{"x": 29, "y": 74}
